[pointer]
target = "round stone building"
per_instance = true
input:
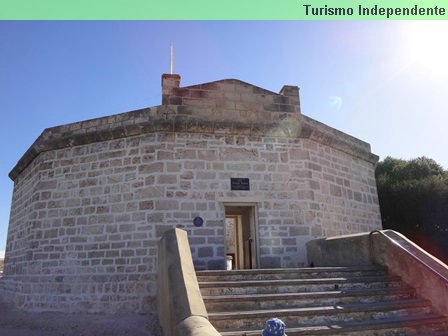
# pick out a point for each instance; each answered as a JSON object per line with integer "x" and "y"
{"x": 238, "y": 167}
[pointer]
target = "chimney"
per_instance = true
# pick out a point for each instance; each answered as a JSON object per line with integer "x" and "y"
{"x": 292, "y": 92}
{"x": 170, "y": 82}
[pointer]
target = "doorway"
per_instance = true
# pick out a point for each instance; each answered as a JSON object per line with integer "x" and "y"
{"x": 241, "y": 242}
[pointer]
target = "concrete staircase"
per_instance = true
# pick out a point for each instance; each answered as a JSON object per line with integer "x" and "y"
{"x": 317, "y": 301}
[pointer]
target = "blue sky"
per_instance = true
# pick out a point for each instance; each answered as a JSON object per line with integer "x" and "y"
{"x": 385, "y": 82}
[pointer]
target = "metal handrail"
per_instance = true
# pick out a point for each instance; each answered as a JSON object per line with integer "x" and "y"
{"x": 432, "y": 269}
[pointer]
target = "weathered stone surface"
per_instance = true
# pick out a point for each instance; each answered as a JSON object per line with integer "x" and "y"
{"x": 238, "y": 154}
{"x": 178, "y": 291}
{"x": 393, "y": 250}
{"x": 96, "y": 204}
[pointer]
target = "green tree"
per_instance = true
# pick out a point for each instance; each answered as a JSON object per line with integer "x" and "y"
{"x": 413, "y": 198}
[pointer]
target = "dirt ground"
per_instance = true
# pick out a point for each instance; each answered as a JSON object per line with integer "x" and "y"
{"x": 19, "y": 323}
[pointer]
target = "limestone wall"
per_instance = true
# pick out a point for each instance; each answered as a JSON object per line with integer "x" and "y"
{"x": 85, "y": 220}
{"x": 91, "y": 199}
{"x": 230, "y": 99}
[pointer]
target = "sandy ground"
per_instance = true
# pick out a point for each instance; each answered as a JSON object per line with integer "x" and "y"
{"x": 19, "y": 323}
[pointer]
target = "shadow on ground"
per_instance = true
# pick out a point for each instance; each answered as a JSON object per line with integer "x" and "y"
{"x": 19, "y": 323}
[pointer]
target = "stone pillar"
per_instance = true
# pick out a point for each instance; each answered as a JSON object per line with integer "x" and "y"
{"x": 170, "y": 82}
{"x": 292, "y": 92}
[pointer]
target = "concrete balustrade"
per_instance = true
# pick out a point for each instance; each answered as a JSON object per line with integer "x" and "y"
{"x": 181, "y": 308}
{"x": 422, "y": 271}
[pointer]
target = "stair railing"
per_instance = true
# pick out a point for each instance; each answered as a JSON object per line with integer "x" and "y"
{"x": 417, "y": 254}
{"x": 425, "y": 273}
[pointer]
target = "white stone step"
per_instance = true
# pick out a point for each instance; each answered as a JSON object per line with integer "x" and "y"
{"x": 426, "y": 325}
{"x": 290, "y": 273}
{"x": 297, "y": 285}
{"x": 294, "y": 317}
{"x": 364, "y": 301}
{"x": 305, "y": 299}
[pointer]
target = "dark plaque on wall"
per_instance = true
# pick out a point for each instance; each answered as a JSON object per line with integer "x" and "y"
{"x": 239, "y": 183}
{"x": 198, "y": 221}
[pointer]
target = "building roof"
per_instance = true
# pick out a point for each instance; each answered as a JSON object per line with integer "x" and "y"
{"x": 228, "y": 107}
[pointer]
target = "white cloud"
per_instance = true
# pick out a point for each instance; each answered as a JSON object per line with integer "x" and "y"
{"x": 2, "y": 254}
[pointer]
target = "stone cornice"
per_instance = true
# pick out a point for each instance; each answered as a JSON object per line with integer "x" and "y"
{"x": 336, "y": 139}
{"x": 166, "y": 119}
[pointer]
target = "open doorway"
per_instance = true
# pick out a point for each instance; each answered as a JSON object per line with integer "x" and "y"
{"x": 241, "y": 239}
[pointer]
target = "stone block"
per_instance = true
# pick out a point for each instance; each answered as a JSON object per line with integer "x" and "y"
{"x": 270, "y": 157}
{"x": 278, "y": 250}
{"x": 189, "y": 154}
{"x": 167, "y": 179}
{"x": 88, "y": 182}
{"x": 146, "y": 205}
{"x": 357, "y": 196}
{"x": 205, "y": 175}
{"x": 45, "y": 185}
{"x": 216, "y": 264}
{"x": 299, "y": 154}
{"x": 173, "y": 167}
{"x": 127, "y": 253}
{"x": 105, "y": 218}
{"x": 207, "y": 154}
{"x": 299, "y": 230}
{"x": 285, "y": 108}
{"x": 53, "y": 233}
{"x": 238, "y": 154}
{"x": 313, "y": 166}
{"x": 164, "y": 155}
{"x": 92, "y": 229}
{"x": 335, "y": 190}
{"x": 166, "y": 205}
{"x": 305, "y": 195}
{"x": 316, "y": 231}
{"x": 148, "y": 193}
{"x": 156, "y": 167}
{"x": 129, "y": 227}
{"x": 206, "y": 251}
{"x": 270, "y": 262}
{"x": 193, "y": 165}
{"x": 237, "y": 167}
{"x": 314, "y": 185}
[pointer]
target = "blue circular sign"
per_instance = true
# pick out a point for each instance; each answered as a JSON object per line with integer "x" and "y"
{"x": 198, "y": 221}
